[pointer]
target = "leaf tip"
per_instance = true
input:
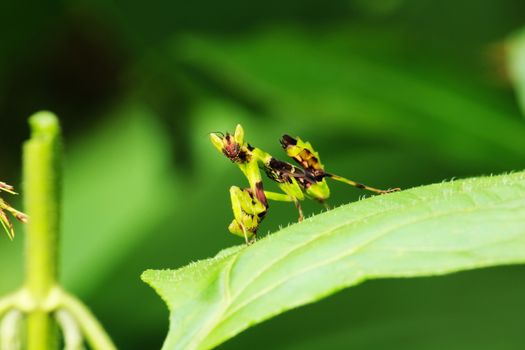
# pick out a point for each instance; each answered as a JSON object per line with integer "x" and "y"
{"x": 148, "y": 276}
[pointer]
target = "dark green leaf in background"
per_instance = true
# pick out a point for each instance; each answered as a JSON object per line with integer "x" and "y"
{"x": 516, "y": 65}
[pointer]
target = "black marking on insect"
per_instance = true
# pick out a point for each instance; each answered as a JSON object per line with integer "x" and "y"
{"x": 306, "y": 159}
{"x": 282, "y": 172}
{"x": 287, "y": 140}
{"x": 259, "y": 193}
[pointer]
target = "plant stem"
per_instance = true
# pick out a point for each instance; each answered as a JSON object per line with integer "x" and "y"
{"x": 73, "y": 339}
{"x": 42, "y": 171}
{"x": 95, "y": 335}
{"x": 10, "y": 331}
{"x": 7, "y": 303}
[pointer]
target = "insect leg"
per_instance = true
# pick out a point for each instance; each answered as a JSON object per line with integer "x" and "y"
{"x": 298, "y": 206}
{"x": 360, "y": 185}
{"x": 246, "y": 213}
{"x": 244, "y": 232}
{"x": 253, "y": 240}
{"x": 236, "y": 198}
{"x": 278, "y": 196}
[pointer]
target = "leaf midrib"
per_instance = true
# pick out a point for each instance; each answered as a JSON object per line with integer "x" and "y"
{"x": 226, "y": 314}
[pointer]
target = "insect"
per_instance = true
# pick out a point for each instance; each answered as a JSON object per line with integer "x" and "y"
{"x": 4, "y": 206}
{"x": 308, "y": 180}
{"x": 249, "y": 204}
{"x": 304, "y": 154}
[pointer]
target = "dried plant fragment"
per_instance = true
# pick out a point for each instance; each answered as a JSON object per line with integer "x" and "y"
{"x": 6, "y": 207}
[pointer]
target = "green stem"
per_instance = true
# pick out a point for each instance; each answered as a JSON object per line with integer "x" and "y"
{"x": 95, "y": 335}
{"x": 42, "y": 197}
{"x": 7, "y": 303}
{"x": 73, "y": 339}
{"x": 10, "y": 331}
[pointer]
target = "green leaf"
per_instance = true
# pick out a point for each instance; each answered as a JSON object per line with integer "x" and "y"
{"x": 516, "y": 65}
{"x": 112, "y": 178}
{"x": 424, "y": 231}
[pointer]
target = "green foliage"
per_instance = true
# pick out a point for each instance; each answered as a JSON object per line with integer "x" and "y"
{"x": 27, "y": 315}
{"x": 516, "y": 65}
{"x": 340, "y": 83}
{"x": 392, "y": 93}
{"x": 424, "y": 231}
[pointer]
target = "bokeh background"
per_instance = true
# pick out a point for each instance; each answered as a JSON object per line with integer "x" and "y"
{"x": 391, "y": 92}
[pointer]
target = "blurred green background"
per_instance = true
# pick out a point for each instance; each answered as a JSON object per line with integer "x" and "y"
{"x": 391, "y": 92}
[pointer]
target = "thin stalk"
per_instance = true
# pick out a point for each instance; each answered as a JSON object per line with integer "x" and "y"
{"x": 92, "y": 330}
{"x": 73, "y": 339}
{"x": 7, "y": 303}
{"x": 41, "y": 167}
{"x": 10, "y": 331}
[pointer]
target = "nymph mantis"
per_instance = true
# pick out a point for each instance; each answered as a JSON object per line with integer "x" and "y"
{"x": 308, "y": 180}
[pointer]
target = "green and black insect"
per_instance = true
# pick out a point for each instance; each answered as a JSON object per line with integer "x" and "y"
{"x": 307, "y": 180}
